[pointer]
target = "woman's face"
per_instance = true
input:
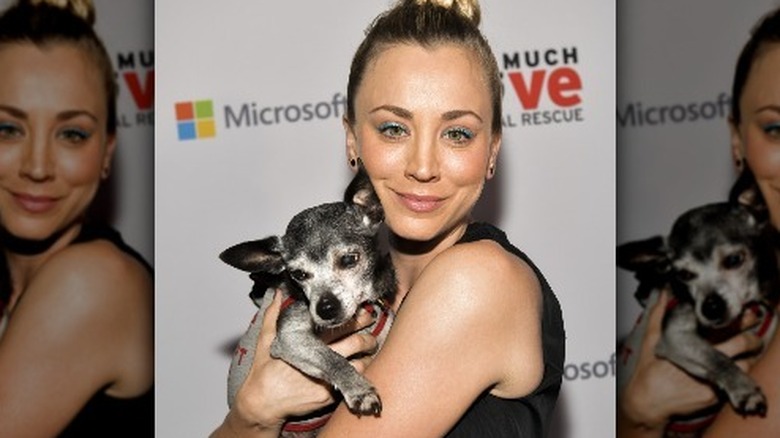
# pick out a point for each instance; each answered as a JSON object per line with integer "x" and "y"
{"x": 422, "y": 128}
{"x": 53, "y": 139}
{"x": 757, "y": 138}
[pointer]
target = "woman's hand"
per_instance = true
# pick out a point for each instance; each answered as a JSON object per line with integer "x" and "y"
{"x": 274, "y": 390}
{"x": 659, "y": 389}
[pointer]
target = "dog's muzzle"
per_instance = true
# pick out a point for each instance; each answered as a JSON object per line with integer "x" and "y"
{"x": 714, "y": 308}
{"x": 328, "y": 308}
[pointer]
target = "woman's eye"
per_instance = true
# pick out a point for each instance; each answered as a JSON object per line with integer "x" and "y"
{"x": 772, "y": 130}
{"x": 458, "y": 135}
{"x": 10, "y": 131}
{"x": 74, "y": 135}
{"x": 393, "y": 130}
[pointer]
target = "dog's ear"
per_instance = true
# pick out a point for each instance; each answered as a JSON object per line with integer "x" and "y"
{"x": 649, "y": 260}
{"x": 361, "y": 194}
{"x": 256, "y": 256}
{"x": 641, "y": 255}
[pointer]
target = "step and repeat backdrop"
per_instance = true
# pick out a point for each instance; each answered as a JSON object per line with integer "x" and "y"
{"x": 250, "y": 101}
{"x": 127, "y": 198}
{"x": 675, "y": 68}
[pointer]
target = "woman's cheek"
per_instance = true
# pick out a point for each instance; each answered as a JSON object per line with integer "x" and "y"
{"x": 81, "y": 166}
{"x": 763, "y": 158}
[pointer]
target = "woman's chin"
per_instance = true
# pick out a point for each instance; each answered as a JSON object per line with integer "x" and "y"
{"x": 412, "y": 229}
{"x": 29, "y": 230}
{"x": 422, "y": 230}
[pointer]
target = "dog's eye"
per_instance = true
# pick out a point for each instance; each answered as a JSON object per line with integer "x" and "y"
{"x": 685, "y": 275}
{"x": 348, "y": 260}
{"x": 733, "y": 260}
{"x": 299, "y": 275}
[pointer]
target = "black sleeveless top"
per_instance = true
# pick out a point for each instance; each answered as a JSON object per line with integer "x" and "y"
{"x": 493, "y": 417}
{"x": 104, "y": 415}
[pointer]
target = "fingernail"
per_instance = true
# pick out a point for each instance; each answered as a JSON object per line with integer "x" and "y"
{"x": 364, "y": 314}
{"x": 371, "y": 341}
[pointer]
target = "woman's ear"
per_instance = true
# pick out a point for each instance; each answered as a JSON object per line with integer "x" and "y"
{"x": 495, "y": 146}
{"x": 109, "y": 155}
{"x": 737, "y": 145}
{"x": 351, "y": 143}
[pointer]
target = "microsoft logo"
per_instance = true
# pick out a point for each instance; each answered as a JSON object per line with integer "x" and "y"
{"x": 195, "y": 119}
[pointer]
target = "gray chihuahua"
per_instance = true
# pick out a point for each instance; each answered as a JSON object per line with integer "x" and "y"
{"x": 718, "y": 261}
{"x": 327, "y": 265}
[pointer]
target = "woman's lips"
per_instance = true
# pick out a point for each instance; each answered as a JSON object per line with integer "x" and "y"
{"x": 420, "y": 203}
{"x": 35, "y": 204}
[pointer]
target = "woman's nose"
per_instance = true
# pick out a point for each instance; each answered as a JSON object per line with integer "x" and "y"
{"x": 37, "y": 160}
{"x": 422, "y": 161}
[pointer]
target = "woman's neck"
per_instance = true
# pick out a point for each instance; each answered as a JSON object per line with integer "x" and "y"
{"x": 25, "y": 257}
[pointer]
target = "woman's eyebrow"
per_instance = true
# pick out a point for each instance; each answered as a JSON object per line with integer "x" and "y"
{"x": 406, "y": 114}
{"x": 455, "y": 114}
{"x": 770, "y": 107}
{"x": 64, "y": 115}
{"x": 397, "y": 110}
{"x": 13, "y": 111}
{"x": 71, "y": 114}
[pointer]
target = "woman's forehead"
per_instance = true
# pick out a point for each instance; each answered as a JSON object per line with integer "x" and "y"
{"x": 54, "y": 74}
{"x": 416, "y": 71}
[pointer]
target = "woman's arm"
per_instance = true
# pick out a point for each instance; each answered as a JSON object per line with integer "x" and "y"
{"x": 470, "y": 323}
{"x": 84, "y": 319}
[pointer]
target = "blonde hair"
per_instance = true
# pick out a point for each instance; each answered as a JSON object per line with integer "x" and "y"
{"x": 427, "y": 23}
{"x": 83, "y": 9}
{"x": 43, "y": 22}
{"x": 469, "y": 8}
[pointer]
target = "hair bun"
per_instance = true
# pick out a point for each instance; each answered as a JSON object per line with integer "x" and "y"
{"x": 83, "y": 9}
{"x": 467, "y": 8}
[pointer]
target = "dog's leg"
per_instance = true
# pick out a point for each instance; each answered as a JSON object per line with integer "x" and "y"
{"x": 681, "y": 345}
{"x": 296, "y": 344}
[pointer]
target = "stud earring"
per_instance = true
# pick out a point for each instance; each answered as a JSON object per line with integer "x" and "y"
{"x": 492, "y": 170}
{"x": 353, "y": 162}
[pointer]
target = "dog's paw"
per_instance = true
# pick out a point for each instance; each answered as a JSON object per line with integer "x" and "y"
{"x": 364, "y": 403}
{"x": 750, "y": 402}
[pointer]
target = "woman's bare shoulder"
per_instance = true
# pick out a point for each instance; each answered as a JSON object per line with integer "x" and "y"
{"x": 88, "y": 309}
{"x": 484, "y": 270}
{"x": 95, "y": 271}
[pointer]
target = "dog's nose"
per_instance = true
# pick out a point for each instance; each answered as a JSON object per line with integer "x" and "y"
{"x": 328, "y": 307}
{"x": 714, "y": 307}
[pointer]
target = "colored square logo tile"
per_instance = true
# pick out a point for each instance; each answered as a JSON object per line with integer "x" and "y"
{"x": 187, "y": 131}
{"x": 204, "y": 109}
{"x": 184, "y": 111}
{"x": 206, "y": 128}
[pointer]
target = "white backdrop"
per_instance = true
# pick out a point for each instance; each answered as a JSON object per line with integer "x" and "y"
{"x": 127, "y": 30}
{"x": 673, "y": 56}
{"x": 285, "y": 64}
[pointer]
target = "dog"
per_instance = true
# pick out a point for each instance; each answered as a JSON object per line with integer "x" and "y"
{"x": 327, "y": 265}
{"x": 717, "y": 261}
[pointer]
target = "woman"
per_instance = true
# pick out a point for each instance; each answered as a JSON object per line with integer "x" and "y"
{"x": 477, "y": 345}
{"x": 76, "y": 357}
{"x": 658, "y": 389}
